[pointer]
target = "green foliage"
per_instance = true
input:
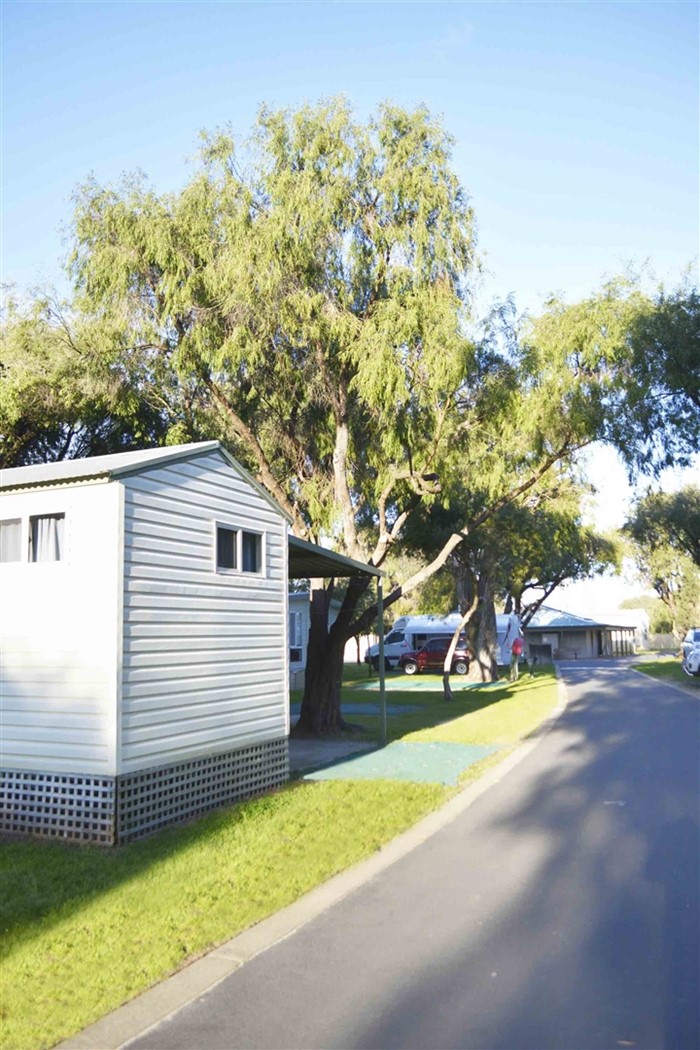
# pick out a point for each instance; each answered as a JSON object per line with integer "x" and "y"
{"x": 665, "y": 528}
{"x": 676, "y": 580}
{"x": 68, "y": 388}
{"x": 305, "y": 298}
{"x": 535, "y": 542}
{"x": 309, "y": 285}
{"x": 631, "y": 362}
{"x": 668, "y": 519}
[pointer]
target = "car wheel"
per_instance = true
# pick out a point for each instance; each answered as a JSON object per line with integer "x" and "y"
{"x": 411, "y": 667}
{"x": 461, "y": 667}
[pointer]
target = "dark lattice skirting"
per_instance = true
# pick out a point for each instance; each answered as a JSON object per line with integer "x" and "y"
{"x": 106, "y": 810}
{"x": 157, "y": 797}
{"x": 58, "y": 805}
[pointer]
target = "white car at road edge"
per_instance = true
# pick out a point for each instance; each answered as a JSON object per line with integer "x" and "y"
{"x": 691, "y": 661}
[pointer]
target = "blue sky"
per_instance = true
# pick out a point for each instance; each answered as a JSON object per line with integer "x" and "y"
{"x": 576, "y": 124}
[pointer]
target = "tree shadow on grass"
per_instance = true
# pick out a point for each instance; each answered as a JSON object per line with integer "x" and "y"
{"x": 435, "y": 712}
{"x": 44, "y": 880}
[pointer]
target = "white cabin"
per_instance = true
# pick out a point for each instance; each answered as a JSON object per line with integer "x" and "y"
{"x": 299, "y": 626}
{"x": 143, "y": 635}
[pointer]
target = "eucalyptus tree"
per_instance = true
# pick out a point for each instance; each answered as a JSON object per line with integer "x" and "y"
{"x": 670, "y": 519}
{"x": 313, "y": 287}
{"x": 665, "y": 529}
{"x": 552, "y": 546}
{"x": 67, "y": 389}
{"x": 518, "y": 556}
{"x": 305, "y": 297}
{"x": 641, "y": 353}
{"x": 676, "y": 580}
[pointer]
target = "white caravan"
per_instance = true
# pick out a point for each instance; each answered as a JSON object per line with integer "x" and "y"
{"x": 409, "y": 633}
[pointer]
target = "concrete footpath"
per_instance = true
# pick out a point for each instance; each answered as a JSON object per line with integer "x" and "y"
{"x": 141, "y": 1014}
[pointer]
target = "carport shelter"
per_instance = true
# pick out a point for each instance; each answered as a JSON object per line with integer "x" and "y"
{"x": 555, "y": 635}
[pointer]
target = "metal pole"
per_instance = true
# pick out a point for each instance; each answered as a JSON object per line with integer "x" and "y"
{"x": 382, "y": 689}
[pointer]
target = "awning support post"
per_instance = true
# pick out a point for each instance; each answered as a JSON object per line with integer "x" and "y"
{"x": 382, "y": 683}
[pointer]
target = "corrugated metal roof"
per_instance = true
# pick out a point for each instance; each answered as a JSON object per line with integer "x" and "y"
{"x": 121, "y": 464}
{"x": 548, "y": 619}
{"x": 308, "y": 561}
{"x": 114, "y": 465}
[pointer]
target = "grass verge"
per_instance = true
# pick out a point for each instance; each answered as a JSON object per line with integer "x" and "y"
{"x": 668, "y": 669}
{"x": 86, "y": 929}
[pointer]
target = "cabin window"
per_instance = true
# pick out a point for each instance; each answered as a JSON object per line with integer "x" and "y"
{"x": 251, "y": 543}
{"x": 11, "y": 540}
{"x": 239, "y": 550}
{"x": 226, "y": 548}
{"x": 295, "y": 644}
{"x": 47, "y": 537}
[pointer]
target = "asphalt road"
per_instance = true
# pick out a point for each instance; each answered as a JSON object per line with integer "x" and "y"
{"x": 561, "y": 910}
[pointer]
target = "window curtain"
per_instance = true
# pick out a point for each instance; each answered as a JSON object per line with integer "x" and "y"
{"x": 10, "y": 540}
{"x": 47, "y": 538}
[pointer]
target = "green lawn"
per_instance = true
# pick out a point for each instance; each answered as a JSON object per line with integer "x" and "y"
{"x": 668, "y": 668}
{"x": 85, "y": 929}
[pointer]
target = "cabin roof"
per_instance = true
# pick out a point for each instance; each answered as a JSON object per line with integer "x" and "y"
{"x": 308, "y": 561}
{"x": 547, "y": 618}
{"x": 119, "y": 465}
{"x": 114, "y": 465}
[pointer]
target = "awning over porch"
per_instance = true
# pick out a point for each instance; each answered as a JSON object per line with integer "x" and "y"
{"x": 309, "y": 561}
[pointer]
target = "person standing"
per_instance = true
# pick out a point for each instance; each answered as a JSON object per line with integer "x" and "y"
{"x": 516, "y": 652}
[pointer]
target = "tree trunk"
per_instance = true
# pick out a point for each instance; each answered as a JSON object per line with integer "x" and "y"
{"x": 320, "y": 706}
{"x": 447, "y": 667}
{"x": 483, "y": 637}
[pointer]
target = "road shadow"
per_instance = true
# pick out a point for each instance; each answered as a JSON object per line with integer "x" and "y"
{"x": 607, "y": 839}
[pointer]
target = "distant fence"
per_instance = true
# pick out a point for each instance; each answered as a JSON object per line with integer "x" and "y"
{"x": 663, "y": 641}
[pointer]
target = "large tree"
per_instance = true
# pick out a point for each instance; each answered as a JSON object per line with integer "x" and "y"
{"x": 305, "y": 297}
{"x": 641, "y": 350}
{"x": 314, "y": 288}
{"x": 518, "y": 556}
{"x": 665, "y": 528}
{"x": 668, "y": 519}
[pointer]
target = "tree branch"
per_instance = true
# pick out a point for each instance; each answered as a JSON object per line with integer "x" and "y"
{"x": 265, "y": 475}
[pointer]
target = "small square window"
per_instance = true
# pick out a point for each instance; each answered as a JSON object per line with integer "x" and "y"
{"x": 239, "y": 550}
{"x": 11, "y": 540}
{"x": 47, "y": 537}
{"x": 226, "y": 548}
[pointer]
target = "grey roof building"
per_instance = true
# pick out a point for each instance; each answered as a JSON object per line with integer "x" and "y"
{"x": 556, "y": 635}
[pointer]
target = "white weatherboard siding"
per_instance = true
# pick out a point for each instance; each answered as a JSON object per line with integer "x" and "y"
{"x": 205, "y": 666}
{"x": 58, "y": 637}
